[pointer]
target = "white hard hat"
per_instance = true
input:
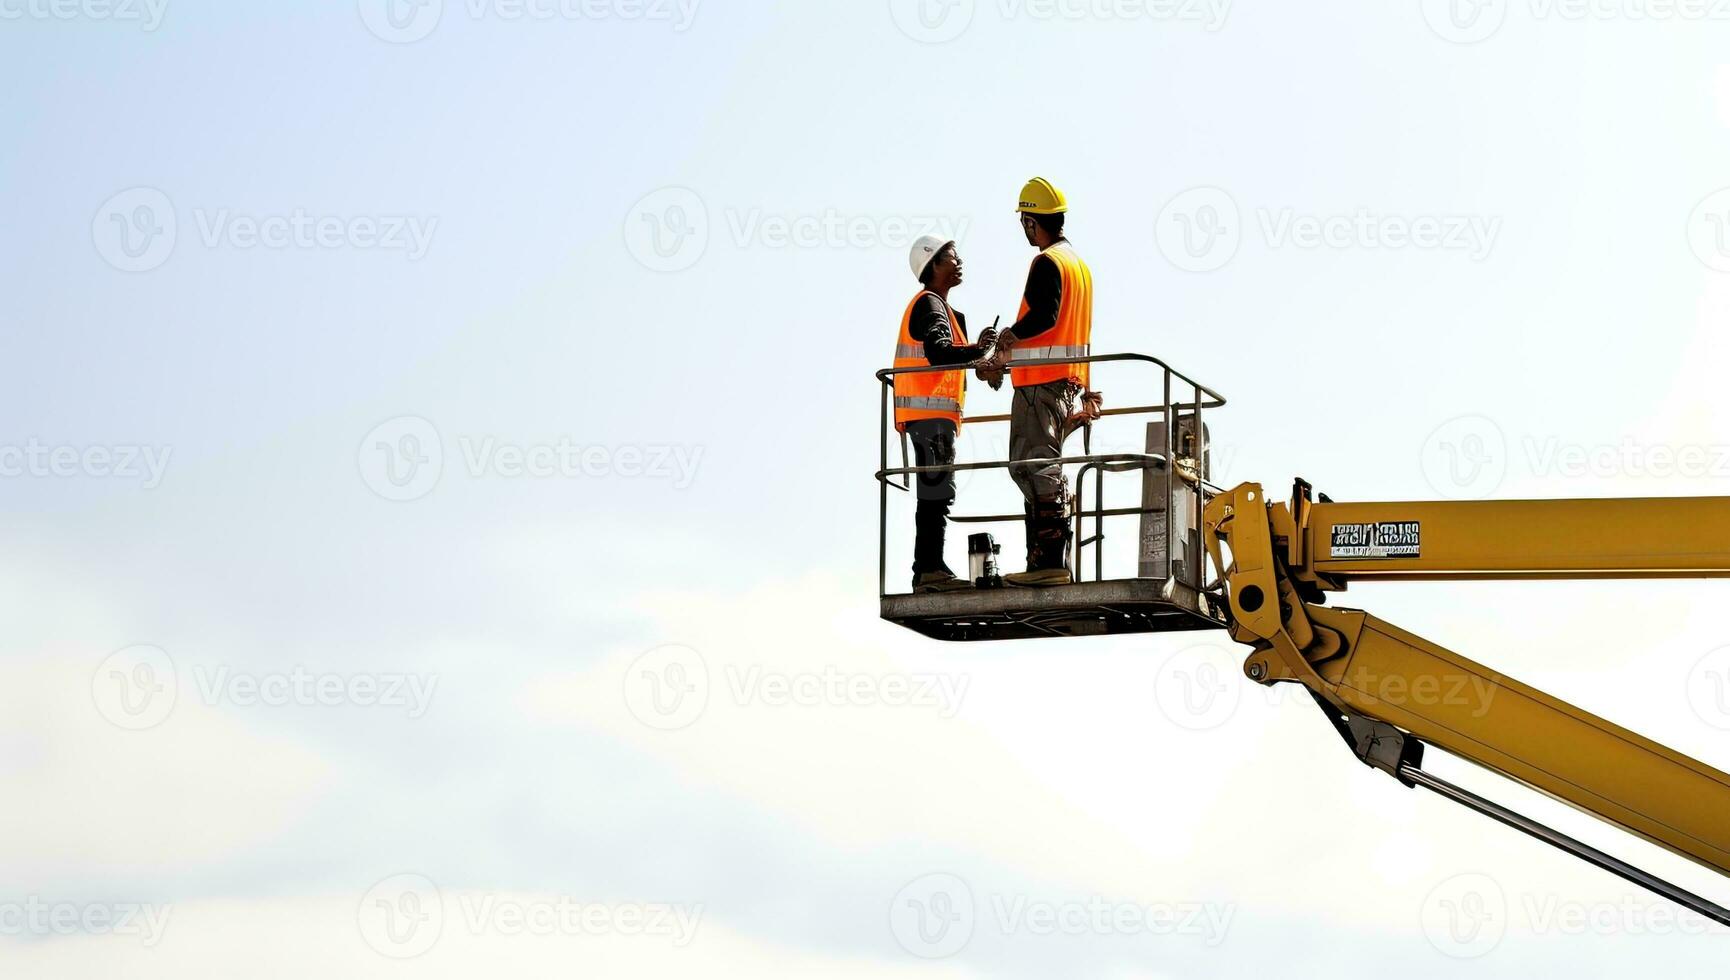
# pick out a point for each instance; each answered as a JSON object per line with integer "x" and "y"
{"x": 924, "y": 250}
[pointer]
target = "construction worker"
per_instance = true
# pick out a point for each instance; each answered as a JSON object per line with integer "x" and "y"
{"x": 1056, "y": 320}
{"x": 928, "y": 406}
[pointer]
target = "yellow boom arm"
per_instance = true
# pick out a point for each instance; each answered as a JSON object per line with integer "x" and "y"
{"x": 1390, "y": 693}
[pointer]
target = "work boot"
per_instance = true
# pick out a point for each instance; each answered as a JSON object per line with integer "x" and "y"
{"x": 1048, "y": 537}
{"x": 1039, "y": 578}
{"x": 930, "y": 572}
{"x": 942, "y": 580}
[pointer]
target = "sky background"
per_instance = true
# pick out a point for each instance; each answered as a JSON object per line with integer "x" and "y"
{"x": 399, "y": 397}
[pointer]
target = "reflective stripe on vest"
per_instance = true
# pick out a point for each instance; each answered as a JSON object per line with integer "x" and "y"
{"x": 927, "y": 403}
{"x": 932, "y": 394}
{"x": 1070, "y": 336}
{"x": 1048, "y": 353}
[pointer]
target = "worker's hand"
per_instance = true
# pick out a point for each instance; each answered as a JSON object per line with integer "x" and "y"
{"x": 988, "y": 338}
{"x": 989, "y": 373}
{"x": 1092, "y": 407}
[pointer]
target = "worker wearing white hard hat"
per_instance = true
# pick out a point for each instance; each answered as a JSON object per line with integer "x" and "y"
{"x": 928, "y": 405}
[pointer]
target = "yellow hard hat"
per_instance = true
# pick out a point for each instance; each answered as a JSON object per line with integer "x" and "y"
{"x": 1041, "y": 196}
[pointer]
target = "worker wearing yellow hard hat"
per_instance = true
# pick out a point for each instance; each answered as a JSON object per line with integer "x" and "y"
{"x": 928, "y": 405}
{"x": 1050, "y": 399}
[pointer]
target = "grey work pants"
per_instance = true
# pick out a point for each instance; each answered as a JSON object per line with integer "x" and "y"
{"x": 1038, "y": 425}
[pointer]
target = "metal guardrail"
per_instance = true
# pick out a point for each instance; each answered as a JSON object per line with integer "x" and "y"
{"x": 1201, "y": 398}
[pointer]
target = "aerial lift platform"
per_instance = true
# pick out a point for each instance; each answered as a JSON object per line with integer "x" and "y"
{"x": 1167, "y": 596}
{"x": 1211, "y": 558}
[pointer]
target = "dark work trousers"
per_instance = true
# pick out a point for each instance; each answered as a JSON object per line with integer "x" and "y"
{"x": 933, "y": 445}
{"x": 1038, "y": 425}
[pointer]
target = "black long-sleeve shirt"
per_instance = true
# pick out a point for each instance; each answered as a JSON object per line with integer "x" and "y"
{"x": 930, "y": 327}
{"x": 1044, "y": 295}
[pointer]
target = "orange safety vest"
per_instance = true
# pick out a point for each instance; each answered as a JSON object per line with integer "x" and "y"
{"x": 1071, "y": 336}
{"x": 936, "y": 395}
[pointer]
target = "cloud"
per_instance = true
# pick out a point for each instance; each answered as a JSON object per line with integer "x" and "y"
{"x": 93, "y": 798}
